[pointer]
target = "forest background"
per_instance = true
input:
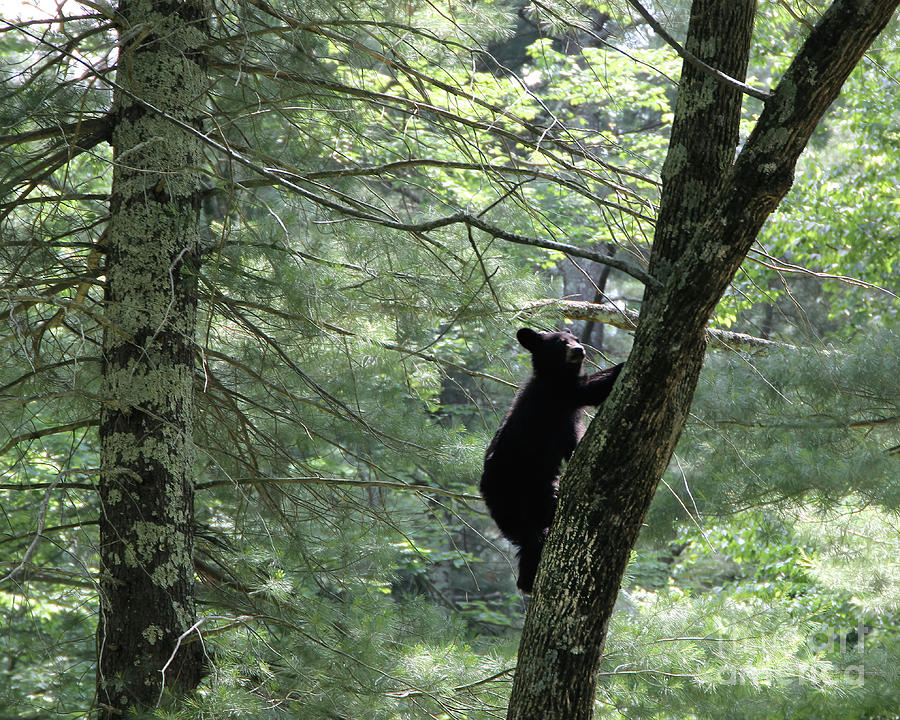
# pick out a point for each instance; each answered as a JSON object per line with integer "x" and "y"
{"x": 383, "y": 194}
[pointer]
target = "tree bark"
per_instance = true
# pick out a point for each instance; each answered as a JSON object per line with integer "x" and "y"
{"x": 710, "y": 212}
{"x": 147, "y": 485}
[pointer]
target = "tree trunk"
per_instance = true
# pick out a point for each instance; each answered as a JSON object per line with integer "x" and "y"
{"x": 710, "y": 212}
{"x": 146, "y": 486}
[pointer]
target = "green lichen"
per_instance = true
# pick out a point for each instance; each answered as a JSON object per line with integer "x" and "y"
{"x": 787, "y": 97}
{"x": 699, "y": 98}
{"x": 709, "y": 46}
{"x": 676, "y": 162}
{"x": 694, "y": 194}
{"x": 158, "y": 155}
{"x": 774, "y": 140}
{"x": 161, "y": 390}
{"x": 184, "y": 613}
{"x": 152, "y": 541}
{"x": 168, "y": 574}
{"x": 153, "y": 634}
{"x": 150, "y": 454}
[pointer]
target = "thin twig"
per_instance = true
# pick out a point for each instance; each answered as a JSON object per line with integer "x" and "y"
{"x": 32, "y": 548}
{"x": 693, "y": 59}
{"x": 422, "y": 489}
{"x": 624, "y": 319}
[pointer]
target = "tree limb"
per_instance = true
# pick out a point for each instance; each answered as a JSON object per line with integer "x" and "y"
{"x": 693, "y": 59}
{"x": 625, "y": 319}
{"x": 93, "y": 126}
{"x": 711, "y": 210}
{"x": 44, "y": 432}
{"x": 471, "y": 220}
{"x": 342, "y": 482}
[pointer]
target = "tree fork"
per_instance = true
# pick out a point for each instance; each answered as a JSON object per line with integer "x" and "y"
{"x": 146, "y": 437}
{"x": 710, "y": 212}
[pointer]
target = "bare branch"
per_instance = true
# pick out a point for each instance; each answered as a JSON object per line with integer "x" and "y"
{"x": 42, "y": 486}
{"x": 624, "y": 319}
{"x": 693, "y": 59}
{"x": 32, "y": 548}
{"x": 343, "y": 482}
{"x": 79, "y": 128}
{"x": 782, "y": 266}
{"x": 614, "y": 261}
{"x": 44, "y": 432}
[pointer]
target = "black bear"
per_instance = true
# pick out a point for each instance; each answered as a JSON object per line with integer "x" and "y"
{"x": 522, "y": 464}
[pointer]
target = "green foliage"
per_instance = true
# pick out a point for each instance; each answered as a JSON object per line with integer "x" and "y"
{"x": 50, "y": 602}
{"x": 827, "y": 233}
{"x": 793, "y": 427}
{"x": 753, "y": 620}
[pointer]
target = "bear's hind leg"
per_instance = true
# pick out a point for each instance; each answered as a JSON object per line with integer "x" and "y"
{"x": 529, "y": 556}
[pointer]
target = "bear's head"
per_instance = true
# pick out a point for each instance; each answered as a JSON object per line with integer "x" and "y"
{"x": 553, "y": 354}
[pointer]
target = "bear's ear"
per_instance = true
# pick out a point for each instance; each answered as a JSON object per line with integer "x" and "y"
{"x": 528, "y": 338}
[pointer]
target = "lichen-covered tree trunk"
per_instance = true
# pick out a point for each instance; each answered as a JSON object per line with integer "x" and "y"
{"x": 147, "y": 454}
{"x": 711, "y": 211}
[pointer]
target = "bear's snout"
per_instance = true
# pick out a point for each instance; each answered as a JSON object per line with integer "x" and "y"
{"x": 575, "y": 353}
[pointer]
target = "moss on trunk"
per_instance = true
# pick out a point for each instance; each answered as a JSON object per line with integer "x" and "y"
{"x": 146, "y": 435}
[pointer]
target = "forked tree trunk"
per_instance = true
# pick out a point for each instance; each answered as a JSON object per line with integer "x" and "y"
{"x": 711, "y": 211}
{"x": 146, "y": 485}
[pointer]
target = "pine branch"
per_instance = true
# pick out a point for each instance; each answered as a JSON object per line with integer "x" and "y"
{"x": 815, "y": 424}
{"x": 79, "y": 128}
{"x": 46, "y": 368}
{"x": 516, "y": 170}
{"x": 624, "y": 319}
{"x": 15, "y": 573}
{"x": 624, "y": 265}
{"x": 41, "y": 168}
{"x": 30, "y": 573}
{"x": 342, "y": 482}
{"x": 55, "y": 528}
{"x": 45, "y": 485}
{"x": 36, "y": 434}
{"x": 427, "y": 81}
{"x": 26, "y": 301}
{"x": 69, "y": 197}
{"x": 410, "y": 106}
